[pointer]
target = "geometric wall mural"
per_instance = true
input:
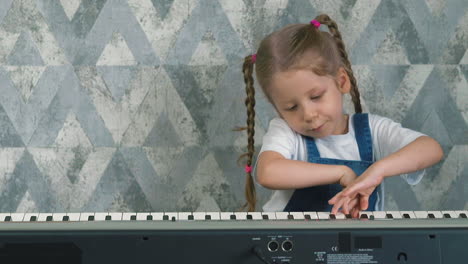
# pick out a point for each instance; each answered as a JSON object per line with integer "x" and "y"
{"x": 130, "y": 105}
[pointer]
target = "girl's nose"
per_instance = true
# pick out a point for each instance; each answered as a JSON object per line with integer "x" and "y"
{"x": 309, "y": 114}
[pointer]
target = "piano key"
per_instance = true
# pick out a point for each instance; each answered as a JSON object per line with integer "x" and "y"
{"x": 17, "y": 217}
{"x": 268, "y": 215}
{"x": 3, "y": 216}
{"x": 436, "y": 214}
{"x": 184, "y": 215}
{"x": 255, "y": 215}
{"x": 407, "y": 214}
{"x": 85, "y": 216}
{"x": 241, "y": 215}
{"x": 214, "y": 215}
{"x": 378, "y": 215}
{"x": 297, "y": 215}
{"x": 156, "y": 216}
{"x": 129, "y": 216}
{"x": 226, "y": 215}
{"x": 281, "y": 215}
{"x": 199, "y": 216}
{"x": 100, "y": 216}
{"x": 421, "y": 214}
{"x": 29, "y": 217}
{"x": 340, "y": 216}
{"x": 43, "y": 217}
{"x": 462, "y": 214}
{"x": 366, "y": 214}
{"x": 310, "y": 215}
{"x": 58, "y": 217}
{"x": 394, "y": 214}
{"x": 73, "y": 217}
{"x": 323, "y": 215}
{"x": 116, "y": 216}
{"x": 173, "y": 216}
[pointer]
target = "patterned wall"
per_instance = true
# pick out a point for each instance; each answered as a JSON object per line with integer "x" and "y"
{"x": 129, "y": 105}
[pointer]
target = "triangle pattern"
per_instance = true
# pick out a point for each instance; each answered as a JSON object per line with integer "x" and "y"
{"x": 70, "y": 7}
{"x": 117, "y": 79}
{"x": 464, "y": 60}
{"x": 25, "y": 52}
{"x": 208, "y": 52}
{"x": 25, "y": 78}
{"x": 9, "y": 137}
{"x": 71, "y": 135}
{"x": 162, "y": 7}
{"x": 434, "y": 127}
{"x": 390, "y": 51}
{"x": 437, "y": 7}
{"x": 116, "y": 52}
{"x": 347, "y": 7}
{"x": 163, "y": 134}
{"x": 27, "y": 204}
{"x": 389, "y": 77}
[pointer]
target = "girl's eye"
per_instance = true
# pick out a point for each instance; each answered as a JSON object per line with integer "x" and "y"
{"x": 292, "y": 108}
{"x": 315, "y": 97}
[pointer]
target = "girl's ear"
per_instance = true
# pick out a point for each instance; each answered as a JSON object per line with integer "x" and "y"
{"x": 344, "y": 85}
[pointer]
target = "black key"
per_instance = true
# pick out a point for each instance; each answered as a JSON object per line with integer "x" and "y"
{"x": 173, "y": 219}
{"x": 249, "y": 217}
{"x": 91, "y": 218}
{"x": 207, "y": 217}
{"x": 133, "y": 217}
{"x": 406, "y": 216}
{"x": 66, "y": 218}
{"x": 371, "y": 217}
{"x": 190, "y": 217}
{"x": 389, "y": 216}
{"x": 332, "y": 216}
{"x": 462, "y": 215}
{"x": 307, "y": 216}
{"x": 430, "y": 216}
{"x": 49, "y": 218}
{"x": 33, "y": 218}
{"x": 108, "y": 218}
{"x": 348, "y": 216}
{"x": 364, "y": 216}
{"x": 265, "y": 217}
{"x": 446, "y": 215}
{"x": 149, "y": 217}
{"x": 7, "y": 218}
{"x": 290, "y": 217}
{"x": 233, "y": 217}
{"x": 165, "y": 217}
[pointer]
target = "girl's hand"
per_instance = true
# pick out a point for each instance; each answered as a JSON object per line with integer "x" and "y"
{"x": 360, "y": 189}
{"x": 348, "y": 176}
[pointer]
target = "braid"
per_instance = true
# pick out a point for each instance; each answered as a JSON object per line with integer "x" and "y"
{"x": 247, "y": 69}
{"x": 333, "y": 28}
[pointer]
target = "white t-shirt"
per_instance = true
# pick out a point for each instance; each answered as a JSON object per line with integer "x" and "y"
{"x": 387, "y": 138}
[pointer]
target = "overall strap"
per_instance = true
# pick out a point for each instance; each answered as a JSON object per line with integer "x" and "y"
{"x": 363, "y": 136}
{"x": 312, "y": 150}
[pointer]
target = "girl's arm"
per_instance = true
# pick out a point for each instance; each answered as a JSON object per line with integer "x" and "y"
{"x": 276, "y": 172}
{"x": 419, "y": 154}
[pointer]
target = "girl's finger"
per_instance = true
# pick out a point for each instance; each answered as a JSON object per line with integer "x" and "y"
{"x": 364, "y": 202}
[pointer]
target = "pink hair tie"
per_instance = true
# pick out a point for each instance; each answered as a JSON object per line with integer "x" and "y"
{"x": 315, "y": 23}
{"x": 254, "y": 58}
{"x": 248, "y": 168}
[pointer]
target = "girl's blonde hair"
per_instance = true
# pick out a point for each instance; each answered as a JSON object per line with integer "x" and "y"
{"x": 294, "y": 47}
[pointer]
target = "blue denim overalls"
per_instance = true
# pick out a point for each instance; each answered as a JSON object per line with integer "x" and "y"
{"x": 316, "y": 198}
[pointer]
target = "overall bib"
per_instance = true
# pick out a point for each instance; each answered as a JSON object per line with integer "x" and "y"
{"x": 316, "y": 198}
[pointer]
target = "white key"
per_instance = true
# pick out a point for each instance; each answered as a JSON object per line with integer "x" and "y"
{"x": 128, "y": 216}
{"x": 409, "y": 213}
{"x": 241, "y": 215}
{"x": 73, "y": 217}
{"x": 157, "y": 216}
{"x": 116, "y": 216}
{"x": 297, "y": 215}
{"x": 270, "y": 215}
{"x": 28, "y": 216}
{"x": 17, "y": 217}
{"x": 323, "y": 215}
{"x": 281, "y": 215}
{"x": 198, "y": 215}
{"x": 140, "y": 216}
{"x": 380, "y": 215}
{"x": 43, "y": 217}
{"x": 85, "y": 216}
{"x": 100, "y": 216}
{"x": 420, "y": 214}
{"x": 395, "y": 214}
{"x": 58, "y": 217}
{"x": 226, "y": 215}
{"x": 436, "y": 214}
{"x": 3, "y": 216}
{"x": 255, "y": 215}
{"x": 214, "y": 215}
{"x": 184, "y": 215}
{"x": 458, "y": 212}
{"x": 312, "y": 215}
{"x": 340, "y": 215}
{"x": 368, "y": 213}
{"x": 172, "y": 216}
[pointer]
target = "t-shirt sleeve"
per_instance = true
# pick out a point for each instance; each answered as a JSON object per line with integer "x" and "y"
{"x": 388, "y": 137}
{"x": 279, "y": 138}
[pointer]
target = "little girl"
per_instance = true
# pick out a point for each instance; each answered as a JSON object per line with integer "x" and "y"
{"x": 313, "y": 149}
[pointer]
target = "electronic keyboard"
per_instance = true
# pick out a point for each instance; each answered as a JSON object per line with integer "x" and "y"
{"x": 235, "y": 237}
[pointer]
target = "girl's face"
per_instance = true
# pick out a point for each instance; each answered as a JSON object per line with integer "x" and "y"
{"x": 312, "y": 105}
